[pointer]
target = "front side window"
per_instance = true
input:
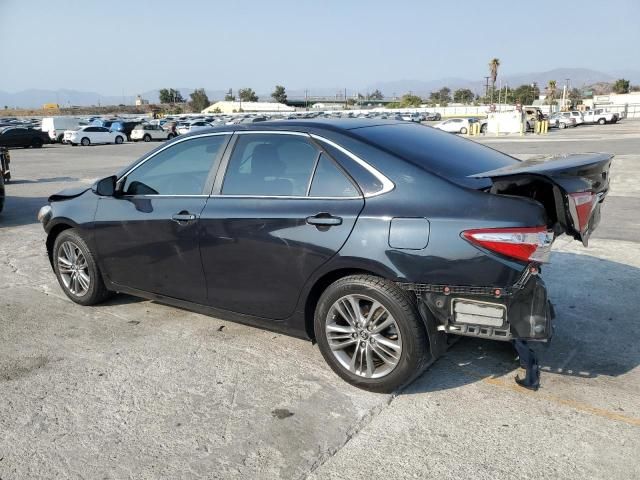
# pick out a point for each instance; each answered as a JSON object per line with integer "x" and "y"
{"x": 271, "y": 165}
{"x": 181, "y": 169}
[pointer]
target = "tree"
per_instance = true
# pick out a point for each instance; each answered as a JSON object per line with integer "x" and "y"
{"x": 279, "y": 94}
{"x": 199, "y": 100}
{"x": 493, "y": 70}
{"x": 551, "y": 93}
{"x": 524, "y": 94}
{"x": 463, "y": 95}
{"x": 230, "y": 97}
{"x": 410, "y": 100}
{"x": 170, "y": 95}
{"x": 621, "y": 86}
{"x": 575, "y": 96}
{"x": 376, "y": 95}
{"x": 247, "y": 95}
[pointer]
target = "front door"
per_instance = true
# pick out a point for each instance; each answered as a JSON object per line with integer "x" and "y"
{"x": 283, "y": 209}
{"x": 147, "y": 235}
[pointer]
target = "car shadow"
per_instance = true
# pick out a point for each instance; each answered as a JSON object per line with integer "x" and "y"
{"x": 20, "y": 210}
{"x": 45, "y": 180}
{"x": 596, "y": 329}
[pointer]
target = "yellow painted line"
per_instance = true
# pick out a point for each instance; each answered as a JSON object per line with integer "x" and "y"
{"x": 582, "y": 407}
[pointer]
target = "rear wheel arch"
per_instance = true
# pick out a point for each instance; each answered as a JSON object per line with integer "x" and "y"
{"x": 318, "y": 288}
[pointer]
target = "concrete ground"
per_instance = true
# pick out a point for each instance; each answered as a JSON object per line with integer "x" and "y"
{"x": 135, "y": 389}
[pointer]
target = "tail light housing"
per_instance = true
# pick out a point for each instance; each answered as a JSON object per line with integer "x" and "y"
{"x": 528, "y": 244}
{"x": 581, "y": 205}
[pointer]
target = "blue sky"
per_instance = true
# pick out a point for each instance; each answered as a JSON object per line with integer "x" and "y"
{"x": 113, "y": 45}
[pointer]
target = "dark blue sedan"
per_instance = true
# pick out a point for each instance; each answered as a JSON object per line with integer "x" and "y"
{"x": 377, "y": 239}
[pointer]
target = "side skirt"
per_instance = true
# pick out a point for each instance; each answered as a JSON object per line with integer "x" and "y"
{"x": 279, "y": 326}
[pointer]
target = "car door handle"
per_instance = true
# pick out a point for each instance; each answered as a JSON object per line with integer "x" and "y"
{"x": 324, "y": 220}
{"x": 183, "y": 217}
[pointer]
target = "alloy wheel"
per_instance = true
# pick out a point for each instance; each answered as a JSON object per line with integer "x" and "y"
{"x": 73, "y": 269}
{"x": 363, "y": 336}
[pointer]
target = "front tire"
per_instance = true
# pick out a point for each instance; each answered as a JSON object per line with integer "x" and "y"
{"x": 602, "y": 121}
{"x": 85, "y": 142}
{"x": 76, "y": 269}
{"x": 463, "y": 130}
{"x": 147, "y": 138}
{"x": 370, "y": 333}
{"x": 170, "y": 136}
{"x": 119, "y": 140}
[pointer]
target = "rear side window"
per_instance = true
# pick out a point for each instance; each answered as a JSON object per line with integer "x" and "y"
{"x": 270, "y": 164}
{"x": 330, "y": 181}
{"x": 439, "y": 152}
{"x": 368, "y": 183}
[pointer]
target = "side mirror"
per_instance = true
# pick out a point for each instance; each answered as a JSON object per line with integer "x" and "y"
{"x": 105, "y": 187}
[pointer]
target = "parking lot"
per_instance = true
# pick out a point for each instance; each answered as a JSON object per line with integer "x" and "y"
{"x": 136, "y": 389}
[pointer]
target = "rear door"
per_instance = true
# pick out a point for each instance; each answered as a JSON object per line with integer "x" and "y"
{"x": 148, "y": 236}
{"x": 281, "y": 208}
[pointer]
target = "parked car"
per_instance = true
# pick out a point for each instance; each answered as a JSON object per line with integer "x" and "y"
{"x": 575, "y": 114}
{"x": 5, "y": 173}
{"x": 309, "y": 227}
{"x": 189, "y": 127}
{"x": 22, "y": 137}
{"x": 411, "y": 117}
{"x": 89, "y": 134}
{"x": 559, "y": 120}
{"x": 599, "y": 116}
{"x": 150, "y": 132}
{"x": 56, "y": 126}
{"x": 433, "y": 117}
{"x": 455, "y": 125}
{"x": 125, "y": 127}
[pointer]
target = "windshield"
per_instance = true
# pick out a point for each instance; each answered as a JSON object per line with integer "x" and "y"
{"x": 436, "y": 151}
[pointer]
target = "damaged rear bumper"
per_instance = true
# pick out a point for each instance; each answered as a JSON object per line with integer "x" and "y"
{"x": 519, "y": 312}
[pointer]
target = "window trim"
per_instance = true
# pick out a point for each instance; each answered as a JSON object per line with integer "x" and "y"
{"x": 210, "y": 177}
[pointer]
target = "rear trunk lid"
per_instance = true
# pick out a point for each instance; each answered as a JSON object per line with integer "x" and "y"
{"x": 570, "y": 187}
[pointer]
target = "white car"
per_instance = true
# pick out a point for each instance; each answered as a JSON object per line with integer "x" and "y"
{"x": 459, "y": 125}
{"x": 91, "y": 134}
{"x": 192, "y": 127}
{"x": 150, "y": 132}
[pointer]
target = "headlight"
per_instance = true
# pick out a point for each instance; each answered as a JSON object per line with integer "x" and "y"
{"x": 44, "y": 214}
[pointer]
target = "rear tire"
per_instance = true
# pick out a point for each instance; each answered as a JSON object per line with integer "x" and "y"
{"x": 602, "y": 121}
{"x": 147, "y": 138}
{"x": 85, "y": 142}
{"x": 379, "y": 302}
{"x": 483, "y": 128}
{"x": 563, "y": 125}
{"x": 81, "y": 281}
{"x": 119, "y": 140}
{"x": 463, "y": 130}
{"x": 170, "y": 136}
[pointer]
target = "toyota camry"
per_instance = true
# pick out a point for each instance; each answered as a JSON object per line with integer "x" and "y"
{"x": 376, "y": 239}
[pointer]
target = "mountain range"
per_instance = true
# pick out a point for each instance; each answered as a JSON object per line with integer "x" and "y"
{"x": 578, "y": 77}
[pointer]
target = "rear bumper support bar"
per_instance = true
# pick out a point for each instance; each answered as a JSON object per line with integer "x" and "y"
{"x": 528, "y": 361}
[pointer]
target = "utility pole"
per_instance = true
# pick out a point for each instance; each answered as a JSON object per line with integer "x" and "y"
{"x": 486, "y": 87}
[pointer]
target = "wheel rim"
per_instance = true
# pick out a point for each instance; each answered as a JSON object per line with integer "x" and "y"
{"x": 73, "y": 269}
{"x": 363, "y": 336}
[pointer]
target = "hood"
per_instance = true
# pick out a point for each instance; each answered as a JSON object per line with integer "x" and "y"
{"x": 68, "y": 193}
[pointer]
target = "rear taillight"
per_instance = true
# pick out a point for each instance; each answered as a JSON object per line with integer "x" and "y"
{"x": 580, "y": 206}
{"x": 529, "y": 244}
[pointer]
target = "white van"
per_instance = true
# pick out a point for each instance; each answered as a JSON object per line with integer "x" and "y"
{"x": 55, "y": 126}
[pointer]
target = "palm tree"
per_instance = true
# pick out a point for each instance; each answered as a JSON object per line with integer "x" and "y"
{"x": 551, "y": 93}
{"x": 493, "y": 71}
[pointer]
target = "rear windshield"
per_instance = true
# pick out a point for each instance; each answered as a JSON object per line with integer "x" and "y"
{"x": 439, "y": 152}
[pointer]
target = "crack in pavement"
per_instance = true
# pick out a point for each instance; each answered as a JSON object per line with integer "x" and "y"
{"x": 352, "y": 432}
